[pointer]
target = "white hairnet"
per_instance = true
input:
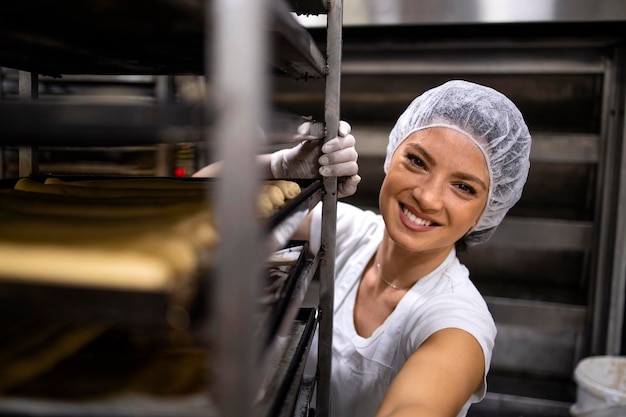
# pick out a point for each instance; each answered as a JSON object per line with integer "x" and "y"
{"x": 493, "y": 122}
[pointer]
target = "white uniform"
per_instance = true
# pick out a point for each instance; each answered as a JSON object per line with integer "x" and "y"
{"x": 363, "y": 368}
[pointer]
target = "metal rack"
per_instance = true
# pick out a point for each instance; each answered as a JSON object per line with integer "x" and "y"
{"x": 167, "y": 37}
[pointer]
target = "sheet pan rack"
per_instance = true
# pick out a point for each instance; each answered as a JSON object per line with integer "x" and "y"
{"x": 187, "y": 37}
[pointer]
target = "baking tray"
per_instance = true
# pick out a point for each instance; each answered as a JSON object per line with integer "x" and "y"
{"x": 291, "y": 294}
{"x": 106, "y": 305}
{"x": 289, "y": 369}
{"x": 281, "y": 223}
{"x": 156, "y": 308}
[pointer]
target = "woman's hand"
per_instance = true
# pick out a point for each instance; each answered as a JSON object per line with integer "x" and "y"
{"x": 338, "y": 158}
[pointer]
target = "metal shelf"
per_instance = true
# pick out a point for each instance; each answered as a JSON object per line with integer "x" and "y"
{"x": 133, "y": 38}
{"x": 63, "y": 124}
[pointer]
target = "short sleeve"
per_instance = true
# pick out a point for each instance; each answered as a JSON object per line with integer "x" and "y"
{"x": 460, "y": 311}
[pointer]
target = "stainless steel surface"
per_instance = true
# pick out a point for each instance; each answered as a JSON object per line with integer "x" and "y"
{"x": 329, "y": 209}
{"x": 442, "y": 12}
{"x": 527, "y": 60}
{"x": 617, "y": 302}
{"x": 537, "y": 337}
{"x": 390, "y": 12}
{"x": 609, "y": 184}
{"x": 576, "y": 148}
{"x": 237, "y": 71}
{"x": 503, "y": 405}
{"x": 615, "y": 331}
{"x": 542, "y": 234}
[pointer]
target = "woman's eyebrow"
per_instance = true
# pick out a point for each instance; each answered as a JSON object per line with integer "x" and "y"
{"x": 467, "y": 177}
{"x": 423, "y": 153}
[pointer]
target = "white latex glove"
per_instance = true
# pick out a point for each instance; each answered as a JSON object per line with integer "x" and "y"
{"x": 338, "y": 158}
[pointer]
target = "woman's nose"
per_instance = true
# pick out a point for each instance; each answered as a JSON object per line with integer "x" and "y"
{"x": 429, "y": 194}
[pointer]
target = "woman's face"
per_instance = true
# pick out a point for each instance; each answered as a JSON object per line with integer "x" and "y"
{"x": 435, "y": 190}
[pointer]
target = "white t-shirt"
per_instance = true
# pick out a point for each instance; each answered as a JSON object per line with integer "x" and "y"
{"x": 364, "y": 367}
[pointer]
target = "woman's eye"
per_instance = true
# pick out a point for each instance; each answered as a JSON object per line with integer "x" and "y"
{"x": 466, "y": 188}
{"x": 415, "y": 160}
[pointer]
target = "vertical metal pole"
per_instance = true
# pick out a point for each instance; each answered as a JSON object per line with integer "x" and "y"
{"x": 239, "y": 84}
{"x": 606, "y": 328}
{"x": 604, "y": 220}
{"x": 329, "y": 210}
{"x": 164, "y": 91}
{"x": 617, "y": 293}
{"x": 28, "y": 86}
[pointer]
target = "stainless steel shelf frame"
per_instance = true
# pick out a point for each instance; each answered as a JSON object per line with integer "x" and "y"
{"x": 236, "y": 62}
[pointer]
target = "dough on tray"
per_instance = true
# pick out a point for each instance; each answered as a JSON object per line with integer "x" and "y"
{"x": 111, "y": 234}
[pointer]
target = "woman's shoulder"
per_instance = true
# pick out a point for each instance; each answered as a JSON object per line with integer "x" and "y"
{"x": 452, "y": 300}
{"x": 455, "y": 288}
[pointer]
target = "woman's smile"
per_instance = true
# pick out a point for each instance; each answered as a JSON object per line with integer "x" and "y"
{"x": 416, "y": 220}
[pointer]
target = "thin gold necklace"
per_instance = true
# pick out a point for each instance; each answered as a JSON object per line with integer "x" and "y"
{"x": 394, "y": 286}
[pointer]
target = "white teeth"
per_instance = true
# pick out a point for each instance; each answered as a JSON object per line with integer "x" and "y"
{"x": 415, "y": 219}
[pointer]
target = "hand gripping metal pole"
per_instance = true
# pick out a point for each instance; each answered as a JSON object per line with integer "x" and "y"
{"x": 329, "y": 210}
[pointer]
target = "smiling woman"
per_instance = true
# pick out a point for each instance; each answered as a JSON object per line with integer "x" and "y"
{"x": 412, "y": 336}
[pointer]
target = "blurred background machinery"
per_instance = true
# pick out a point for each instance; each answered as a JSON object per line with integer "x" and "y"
{"x": 172, "y": 159}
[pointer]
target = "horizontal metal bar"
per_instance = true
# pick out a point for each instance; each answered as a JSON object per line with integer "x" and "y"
{"x": 12, "y": 75}
{"x": 542, "y": 234}
{"x": 560, "y": 147}
{"x": 537, "y": 314}
{"x": 407, "y": 12}
{"x": 68, "y": 123}
{"x": 565, "y": 148}
{"x": 482, "y": 59}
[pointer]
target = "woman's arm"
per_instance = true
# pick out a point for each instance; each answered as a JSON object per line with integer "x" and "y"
{"x": 438, "y": 378}
{"x": 213, "y": 170}
{"x": 336, "y": 158}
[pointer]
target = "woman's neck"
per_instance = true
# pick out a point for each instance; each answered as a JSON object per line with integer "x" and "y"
{"x": 404, "y": 268}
